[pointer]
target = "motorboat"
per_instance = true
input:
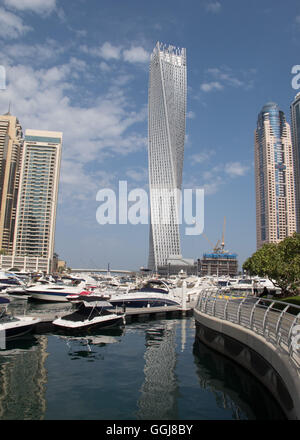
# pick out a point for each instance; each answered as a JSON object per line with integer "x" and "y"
{"x": 91, "y": 294}
{"x": 8, "y": 279}
{"x": 90, "y": 313}
{"x": 252, "y": 286}
{"x": 12, "y": 327}
{"x": 47, "y": 291}
{"x": 154, "y": 293}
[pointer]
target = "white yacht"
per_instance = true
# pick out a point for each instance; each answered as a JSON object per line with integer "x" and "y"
{"x": 12, "y": 327}
{"x": 45, "y": 291}
{"x": 90, "y": 313}
{"x": 154, "y": 293}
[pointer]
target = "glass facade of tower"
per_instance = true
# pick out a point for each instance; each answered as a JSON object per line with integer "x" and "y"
{"x": 275, "y": 198}
{"x": 166, "y": 135}
{"x": 295, "y": 122}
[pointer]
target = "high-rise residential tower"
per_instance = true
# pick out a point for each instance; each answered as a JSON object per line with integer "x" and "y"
{"x": 274, "y": 177}
{"x": 295, "y": 125}
{"x": 10, "y": 159}
{"x": 166, "y": 135}
{"x": 36, "y": 213}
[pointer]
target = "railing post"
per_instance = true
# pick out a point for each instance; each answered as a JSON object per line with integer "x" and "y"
{"x": 225, "y": 309}
{"x": 214, "y": 306}
{"x": 265, "y": 316}
{"x": 239, "y": 310}
{"x": 291, "y": 329}
{"x": 252, "y": 313}
{"x": 279, "y": 322}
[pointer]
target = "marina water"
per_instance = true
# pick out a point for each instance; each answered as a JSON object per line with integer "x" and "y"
{"x": 149, "y": 370}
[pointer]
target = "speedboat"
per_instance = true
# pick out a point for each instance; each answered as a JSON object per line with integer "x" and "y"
{"x": 12, "y": 327}
{"x": 93, "y": 295}
{"x": 90, "y": 313}
{"x": 10, "y": 280}
{"x": 46, "y": 291}
{"x": 155, "y": 293}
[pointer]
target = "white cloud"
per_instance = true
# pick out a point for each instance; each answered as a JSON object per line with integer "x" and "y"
{"x": 42, "y": 99}
{"x": 201, "y": 157}
{"x": 213, "y": 6}
{"x": 38, "y": 6}
{"x": 235, "y": 169}
{"x": 137, "y": 174}
{"x": 136, "y": 55}
{"x": 215, "y": 177}
{"x": 35, "y": 54}
{"x": 220, "y": 78}
{"x": 11, "y": 26}
{"x": 190, "y": 115}
{"x": 209, "y": 86}
{"x": 108, "y": 51}
{"x": 104, "y": 67}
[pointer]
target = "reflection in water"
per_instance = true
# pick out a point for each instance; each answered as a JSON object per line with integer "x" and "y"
{"x": 159, "y": 391}
{"x": 85, "y": 346}
{"x": 233, "y": 387}
{"x": 177, "y": 377}
{"x": 23, "y": 378}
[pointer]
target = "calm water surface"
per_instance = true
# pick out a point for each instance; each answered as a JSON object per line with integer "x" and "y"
{"x": 152, "y": 370}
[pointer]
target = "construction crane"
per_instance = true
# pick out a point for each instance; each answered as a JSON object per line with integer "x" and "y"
{"x": 219, "y": 248}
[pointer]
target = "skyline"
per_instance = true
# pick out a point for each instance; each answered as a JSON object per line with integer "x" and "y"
{"x": 69, "y": 70}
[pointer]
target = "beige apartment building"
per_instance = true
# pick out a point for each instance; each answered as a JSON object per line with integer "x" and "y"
{"x": 37, "y": 199}
{"x": 10, "y": 160}
{"x": 274, "y": 177}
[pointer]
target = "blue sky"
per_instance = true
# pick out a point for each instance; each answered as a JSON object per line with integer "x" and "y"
{"x": 81, "y": 67}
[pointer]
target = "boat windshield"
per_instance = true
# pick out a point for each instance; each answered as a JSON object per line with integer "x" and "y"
{"x": 245, "y": 281}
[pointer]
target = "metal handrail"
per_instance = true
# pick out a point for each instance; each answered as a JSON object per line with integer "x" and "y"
{"x": 275, "y": 325}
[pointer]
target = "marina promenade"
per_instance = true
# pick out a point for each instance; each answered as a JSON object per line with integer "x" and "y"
{"x": 259, "y": 334}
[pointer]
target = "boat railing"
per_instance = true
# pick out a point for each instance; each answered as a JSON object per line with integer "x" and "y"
{"x": 278, "y": 322}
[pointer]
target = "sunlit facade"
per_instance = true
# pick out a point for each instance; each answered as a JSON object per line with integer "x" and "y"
{"x": 274, "y": 177}
{"x": 36, "y": 214}
{"x": 10, "y": 159}
{"x": 166, "y": 135}
{"x": 295, "y": 125}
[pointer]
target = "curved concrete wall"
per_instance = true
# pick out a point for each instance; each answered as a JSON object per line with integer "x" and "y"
{"x": 272, "y": 366}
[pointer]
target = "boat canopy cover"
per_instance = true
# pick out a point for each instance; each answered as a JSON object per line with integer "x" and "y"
{"x": 96, "y": 302}
{"x": 4, "y": 300}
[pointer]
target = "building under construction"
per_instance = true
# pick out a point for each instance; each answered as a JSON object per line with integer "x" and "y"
{"x": 219, "y": 262}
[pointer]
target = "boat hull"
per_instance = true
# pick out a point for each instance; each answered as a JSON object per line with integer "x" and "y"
{"x": 15, "y": 329}
{"x": 140, "y": 302}
{"x": 48, "y": 296}
{"x": 73, "y": 327}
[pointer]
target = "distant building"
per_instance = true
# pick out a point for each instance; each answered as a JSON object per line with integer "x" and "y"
{"x": 295, "y": 125}
{"x": 176, "y": 264}
{"x": 219, "y": 264}
{"x": 166, "y": 136}
{"x": 37, "y": 200}
{"x": 10, "y": 160}
{"x": 274, "y": 177}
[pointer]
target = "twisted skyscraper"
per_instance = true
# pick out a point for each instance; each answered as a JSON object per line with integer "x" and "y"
{"x": 166, "y": 135}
